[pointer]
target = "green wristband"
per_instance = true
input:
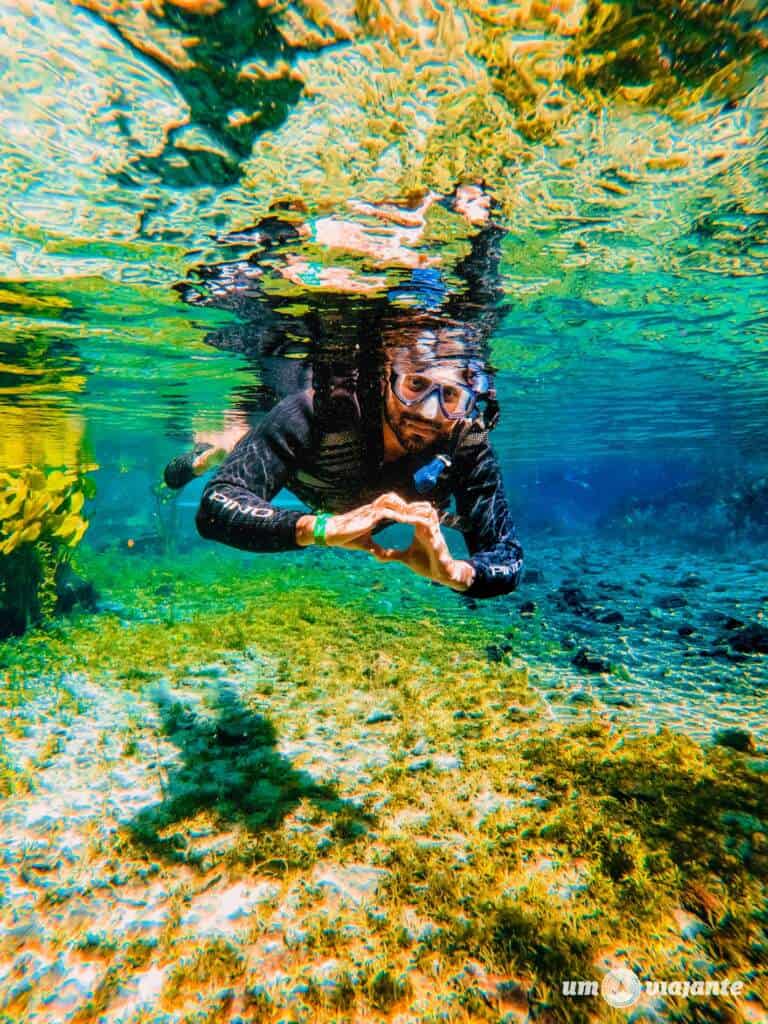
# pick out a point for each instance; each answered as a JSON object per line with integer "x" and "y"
{"x": 318, "y": 531}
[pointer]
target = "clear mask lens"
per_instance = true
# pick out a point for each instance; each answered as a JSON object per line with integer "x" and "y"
{"x": 455, "y": 399}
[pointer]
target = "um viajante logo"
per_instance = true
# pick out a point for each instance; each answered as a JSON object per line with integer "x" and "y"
{"x": 622, "y": 988}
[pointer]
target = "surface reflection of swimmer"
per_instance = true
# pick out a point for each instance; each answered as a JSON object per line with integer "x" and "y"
{"x": 395, "y": 422}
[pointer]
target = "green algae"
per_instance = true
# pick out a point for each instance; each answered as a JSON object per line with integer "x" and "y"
{"x": 203, "y": 615}
{"x": 133, "y": 955}
{"x": 217, "y": 961}
{"x": 661, "y": 817}
{"x": 13, "y": 779}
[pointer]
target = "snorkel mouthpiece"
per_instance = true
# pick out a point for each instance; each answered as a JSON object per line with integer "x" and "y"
{"x": 424, "y": 479}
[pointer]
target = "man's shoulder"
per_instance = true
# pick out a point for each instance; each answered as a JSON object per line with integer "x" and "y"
{"x": 473, "y": 444}
{"x": 475, "y": 460}
{"x": 289, "y": 420}
{"x": 298, "y": 404}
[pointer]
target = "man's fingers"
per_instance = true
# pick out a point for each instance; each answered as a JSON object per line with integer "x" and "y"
{"x": 414, "y": 508}
{"x": 427, "y": 527}
{"x": 393, "y": 514}
{"x": 434, "y": 542}
{"x": 423, "y": 509}
{"x": 393, "y": 501}
{"x": 412, "y": 518}
{"x": 353, "y": 524}
{"x": 391, "y": 508}
{"x": 390, "y": 500}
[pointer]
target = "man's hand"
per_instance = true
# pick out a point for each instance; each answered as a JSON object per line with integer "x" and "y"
{"x": 353, "y": 529}
{"x": 428, "y": 554}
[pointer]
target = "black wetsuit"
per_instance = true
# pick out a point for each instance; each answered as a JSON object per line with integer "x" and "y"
{"x": 312, "y": 444}
{"x": 338, "y": 467}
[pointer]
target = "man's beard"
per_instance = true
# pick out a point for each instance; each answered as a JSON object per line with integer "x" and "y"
{"x": 416, "y": 440}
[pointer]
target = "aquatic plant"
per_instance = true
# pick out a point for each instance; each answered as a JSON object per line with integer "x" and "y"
{"x": 217, "y": 960}
{"x": 13, "y": 779}
{"x": 40, "y": 523}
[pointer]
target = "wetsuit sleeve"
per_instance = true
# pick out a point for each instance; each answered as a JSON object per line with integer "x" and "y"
{"x": 496, "y": 554}
{"x": 236, "y": 507}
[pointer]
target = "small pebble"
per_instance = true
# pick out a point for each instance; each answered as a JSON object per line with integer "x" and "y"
{"x": 670, "y": 601}
{"x": 611, "y": 618}
{"x": 446, "y": 762}
{"x": 581, "y": 697}
{"x": 736, "y": 739}
{"x": 689, "y": 581}
{"x": 379, "y": 715}
{"x": 591, "y": 662}
{"x": 752, "y": 639}
{"x": 518, "y": 712}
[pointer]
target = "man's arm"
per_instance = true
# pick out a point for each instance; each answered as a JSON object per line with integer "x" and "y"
{"x": 235, "y": 508}
{"x": 496, "y": 554}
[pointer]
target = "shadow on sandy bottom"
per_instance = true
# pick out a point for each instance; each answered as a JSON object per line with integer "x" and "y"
{"x": 232, "y": 769}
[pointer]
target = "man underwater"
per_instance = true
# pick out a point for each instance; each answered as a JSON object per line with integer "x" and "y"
{"x": 392, "y": 428}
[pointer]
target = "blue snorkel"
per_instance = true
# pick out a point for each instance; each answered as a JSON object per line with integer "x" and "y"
{"x": 425, "y": 479}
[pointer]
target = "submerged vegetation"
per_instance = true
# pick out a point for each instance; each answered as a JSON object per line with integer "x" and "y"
{"x": 423, "y": 838}
{"x": 40, "y": 523}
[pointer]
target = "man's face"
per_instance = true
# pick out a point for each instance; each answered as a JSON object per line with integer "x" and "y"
{"x": 423, "y": 422}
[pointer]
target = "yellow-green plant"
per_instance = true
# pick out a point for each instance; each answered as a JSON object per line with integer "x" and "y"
{"x": 40, "y": 523}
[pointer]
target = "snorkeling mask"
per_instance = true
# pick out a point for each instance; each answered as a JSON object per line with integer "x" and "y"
{"x": 481, "y": 414}
{"x": 456, "y": 401}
